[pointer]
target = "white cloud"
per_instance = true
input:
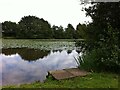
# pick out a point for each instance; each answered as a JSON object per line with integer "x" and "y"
{"x": 58, "y": 12}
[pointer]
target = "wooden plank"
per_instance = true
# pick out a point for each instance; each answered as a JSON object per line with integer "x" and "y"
{"x": 61, "y": 74}
{"x": 67, "y": 73}
{"x": 77, "y": 72}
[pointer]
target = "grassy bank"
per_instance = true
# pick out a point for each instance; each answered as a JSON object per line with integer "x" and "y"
{"x": 93, "y": 80}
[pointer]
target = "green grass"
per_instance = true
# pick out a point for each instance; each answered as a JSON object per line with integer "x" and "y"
{"x": 93, "y": 80}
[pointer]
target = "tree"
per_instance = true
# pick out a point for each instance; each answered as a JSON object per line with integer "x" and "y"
{"x": 33, "y": 27}
{"x": 105, "y": 15}
{"x": 103, "y": 35}
{"x": 81, "y": 31}
{"x": 70, "y": 32}
{"x": 9, "y": 29}
{"x": 58, "y": 32}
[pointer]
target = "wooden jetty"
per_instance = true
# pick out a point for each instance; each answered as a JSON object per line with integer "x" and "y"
{"x": 67, "y": 73}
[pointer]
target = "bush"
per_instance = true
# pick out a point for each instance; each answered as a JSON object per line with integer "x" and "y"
{"x": 101, "y": 59}
{"x": 102, "y": 50}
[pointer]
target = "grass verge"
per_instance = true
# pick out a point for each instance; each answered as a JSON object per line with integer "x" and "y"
{"x": 93, "y": 80}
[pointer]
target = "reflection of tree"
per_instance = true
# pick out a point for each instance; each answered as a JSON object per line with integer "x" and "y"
{"x": 26, "y": 54}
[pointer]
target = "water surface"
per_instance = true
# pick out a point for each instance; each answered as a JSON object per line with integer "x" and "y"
{"x": 23, "y": 65}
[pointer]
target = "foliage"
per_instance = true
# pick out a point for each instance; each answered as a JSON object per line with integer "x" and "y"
{"x": 102, "y": 37}
{"x": 103, "y": 13}
{"x": 70, "y": 32}
{"x": 33, "y": 27}
{"x": 96, "y": 60}
{"x": 58, "y": 32}
{"x": 9, "y": 29}
{"x": 80, "y": 31}
{"x": 105, "y": 23}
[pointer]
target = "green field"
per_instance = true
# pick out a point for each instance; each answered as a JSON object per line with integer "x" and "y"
{"x": 93, "y": 80}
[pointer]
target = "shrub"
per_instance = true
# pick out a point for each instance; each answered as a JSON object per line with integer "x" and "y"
{"x": 101, "y": 59}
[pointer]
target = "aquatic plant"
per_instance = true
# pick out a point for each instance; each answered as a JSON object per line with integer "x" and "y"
{"x": 38, "y": 44}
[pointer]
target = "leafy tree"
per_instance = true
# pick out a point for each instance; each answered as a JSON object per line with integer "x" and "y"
{"x": 70, "y": 32}
{"x": 105, "y": 16}
{"x": 103, "y": 35}
{"x": 54, "y": 29}
{"x": 81, "y": 31}
{"x": 33, "y": 27}
{"x": 9, "y": 29}
{"x": 59, "y": 32}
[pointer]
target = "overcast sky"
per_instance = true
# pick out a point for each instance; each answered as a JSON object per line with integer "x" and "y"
{"x": 56, "y": 12}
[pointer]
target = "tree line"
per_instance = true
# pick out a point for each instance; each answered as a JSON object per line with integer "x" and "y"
{"x": 34, "y": 27}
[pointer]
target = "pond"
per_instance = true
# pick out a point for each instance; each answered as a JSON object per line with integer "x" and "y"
{"x": 25, "y": 65}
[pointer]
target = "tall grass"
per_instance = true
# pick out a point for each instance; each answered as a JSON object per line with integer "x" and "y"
{"x": 79, "y": 61}
{"x": 96, "y": 60}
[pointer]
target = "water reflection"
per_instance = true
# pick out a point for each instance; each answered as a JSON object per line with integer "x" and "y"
{"x": 15, "y": 70}
{"x": 26, "y": 53}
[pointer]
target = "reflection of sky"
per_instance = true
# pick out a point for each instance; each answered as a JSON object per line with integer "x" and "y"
{"x": 16, "y": 71}
{"x": 0, "y": 71}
